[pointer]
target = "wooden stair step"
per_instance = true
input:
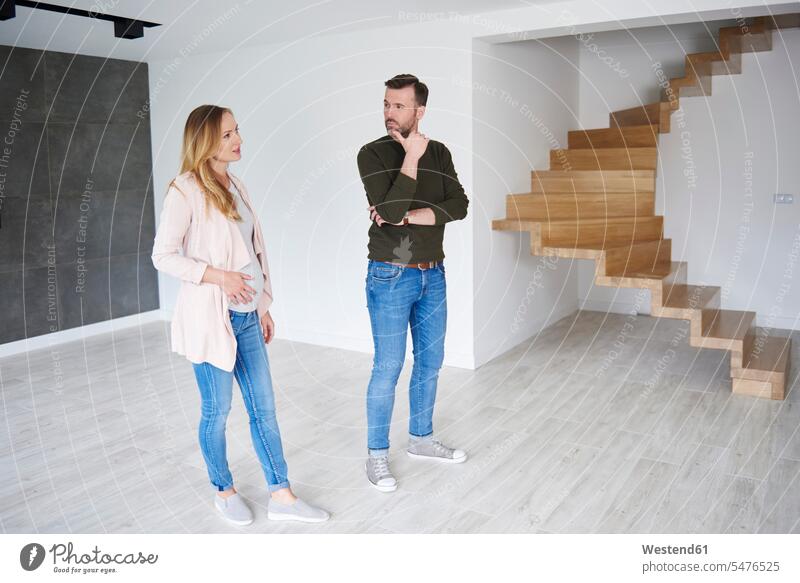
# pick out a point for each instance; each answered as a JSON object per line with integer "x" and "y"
{"x": 777, "y": 21}
{"x": 604, "y": 159}
{"x": 597, "y": 234}
{"x": 672, "y": 275}
{"x": 699, "y": 74}
{"x": 568, "y": 182}
{"x": 753, "y": 37}
{"x": 602, "y": 245}
{"x": 769, "y": 354}
{"x": 579, "y": 206}
{"x": 724, "y": 329}
{"x": 658, "y": 272}
{"x": 631, "y": 251}
{"x": 718, "y": 63}
{"x": 694, "y": 83}
{"x": 690, "y": 297}
{"x": 644, "y": 255}
{"x": 657, "y": 113}
{"x": 766, "y": 367}
{"x": 602, "y": 233}
{"x": 687, "y": 302}
{"x": 654, "y": 278}
{"x": 644, "y": 136}
{"x": 513, "y": 224}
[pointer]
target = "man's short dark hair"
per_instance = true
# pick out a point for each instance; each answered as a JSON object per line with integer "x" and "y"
{"x": 406, "y": 79}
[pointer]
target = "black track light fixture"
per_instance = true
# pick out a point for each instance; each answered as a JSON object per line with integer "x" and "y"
{"x": 123, "y": 27}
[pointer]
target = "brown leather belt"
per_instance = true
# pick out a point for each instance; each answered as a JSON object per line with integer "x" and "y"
{"x": 425, "y": 265}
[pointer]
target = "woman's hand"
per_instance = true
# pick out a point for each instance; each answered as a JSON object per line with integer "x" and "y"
{"x": 268, "y": 327}
{"x": 233, "y": 284}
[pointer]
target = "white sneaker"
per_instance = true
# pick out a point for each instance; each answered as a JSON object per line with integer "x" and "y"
{"x": 379, "y": 474}
{"x": 234, "y": 509}
{"x": 300, "y": 510}
{"x": 433, "y": 449}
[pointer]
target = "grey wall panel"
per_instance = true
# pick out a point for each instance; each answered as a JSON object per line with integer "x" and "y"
{"x": 76, "y": 203}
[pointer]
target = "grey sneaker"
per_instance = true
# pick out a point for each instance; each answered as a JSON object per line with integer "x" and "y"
{"x": 433, "y": 449}
{"x": 379, "y": 474}
{"x": 234, "y": 509}
{"x": 300, "y": 510}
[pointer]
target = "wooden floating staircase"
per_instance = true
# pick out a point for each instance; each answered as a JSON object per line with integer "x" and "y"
{"x": 598, "y": 202}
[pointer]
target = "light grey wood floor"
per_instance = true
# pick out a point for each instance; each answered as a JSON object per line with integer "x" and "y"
{"x": 602, "y": 423}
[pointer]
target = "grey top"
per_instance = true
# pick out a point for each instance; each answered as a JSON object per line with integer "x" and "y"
{"x": 254, "y": 267}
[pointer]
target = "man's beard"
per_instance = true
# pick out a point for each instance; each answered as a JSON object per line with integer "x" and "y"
{"x": 403, "y": 131}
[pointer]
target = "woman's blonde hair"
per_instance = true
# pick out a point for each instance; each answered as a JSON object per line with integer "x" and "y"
{"x": 201, "y": 138}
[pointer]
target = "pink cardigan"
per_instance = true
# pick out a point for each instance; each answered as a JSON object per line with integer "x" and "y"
{"x": 201, "y": 327}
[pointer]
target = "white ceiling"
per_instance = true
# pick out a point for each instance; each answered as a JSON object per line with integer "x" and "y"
{"x": 234, "y": 23}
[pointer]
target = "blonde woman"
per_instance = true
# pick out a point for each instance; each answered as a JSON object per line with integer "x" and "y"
{"x": 210, "y": 238}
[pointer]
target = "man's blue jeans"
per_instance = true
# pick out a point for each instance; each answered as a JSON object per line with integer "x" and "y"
{"x": 396, "y": 297}
{"x": 216, "y": 388}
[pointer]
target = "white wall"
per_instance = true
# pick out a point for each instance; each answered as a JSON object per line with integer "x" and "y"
{"x": 525, "y": 98}
{"x": 719, "y": 174}
{"x": 500, "y": 108}
{"x": 728, "y": 230}
{"x": 304, "y": 109}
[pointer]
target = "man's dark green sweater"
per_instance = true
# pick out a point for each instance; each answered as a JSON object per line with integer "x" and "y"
{"x": 393, "y": 193}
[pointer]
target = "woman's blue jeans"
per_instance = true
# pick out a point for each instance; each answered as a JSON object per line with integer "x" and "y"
{"x": 397, "y": 297}
{"x": 216, "y": 389}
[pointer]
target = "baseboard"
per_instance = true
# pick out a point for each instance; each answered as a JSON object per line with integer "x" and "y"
{"x": 81, "y": 332}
